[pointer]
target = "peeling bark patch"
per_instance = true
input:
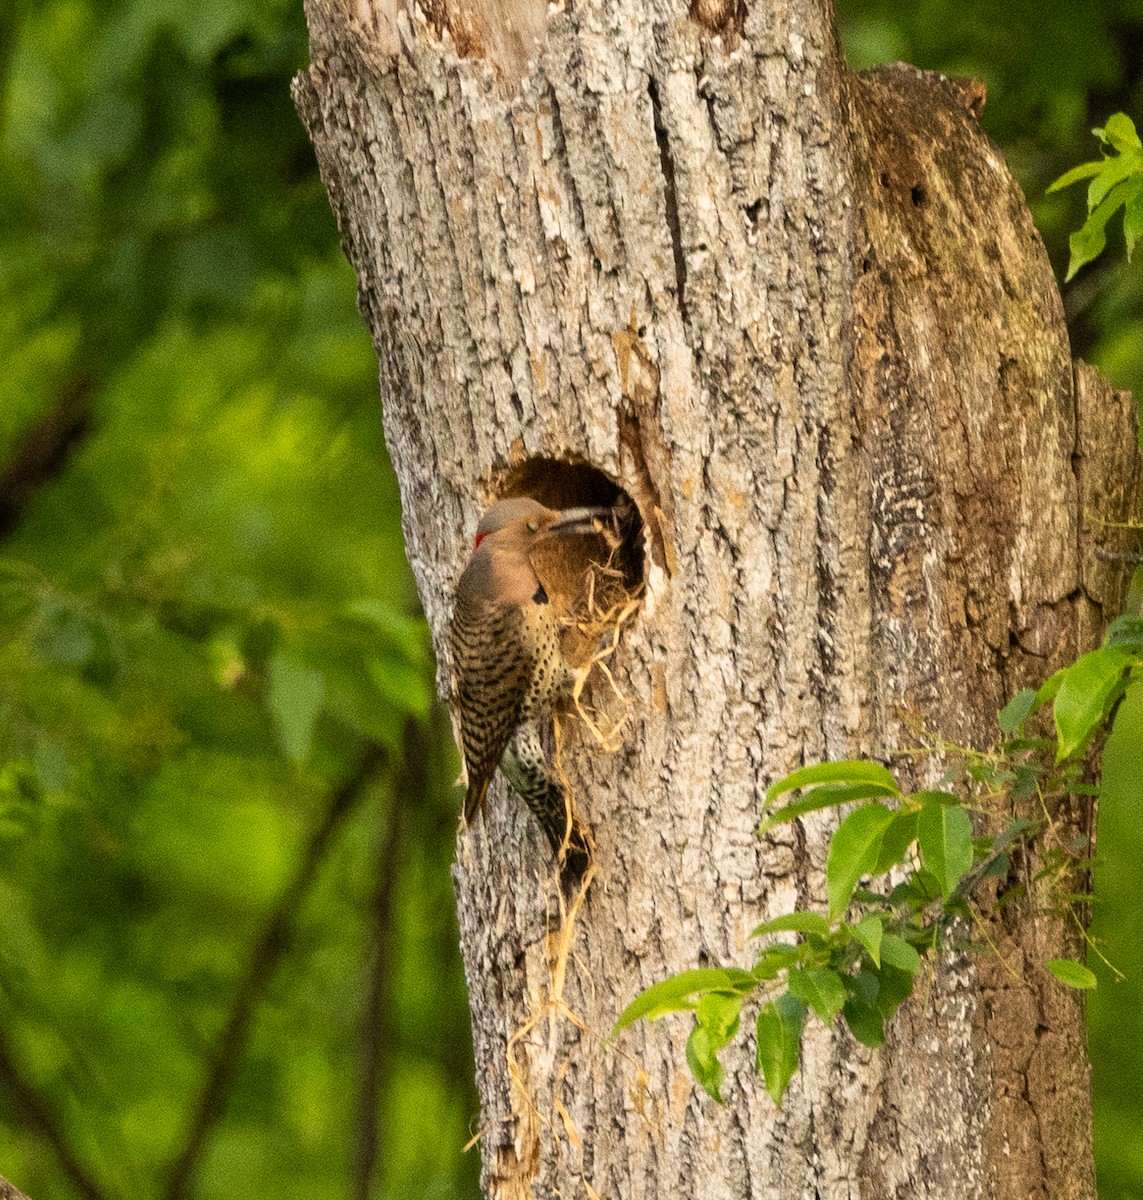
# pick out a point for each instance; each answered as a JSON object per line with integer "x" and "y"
{"x": 646, "y": 493}
{"x": 505, "y": 33}
{"x": 971, "y": 94}
{"x": 670, "y": 196}
{"x": 643, "y": 452}
{"x": 517, "y": 1164}
{"x": 719, "y": 16}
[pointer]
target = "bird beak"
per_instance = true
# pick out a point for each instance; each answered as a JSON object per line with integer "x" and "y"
{"x": 584, "y": 520}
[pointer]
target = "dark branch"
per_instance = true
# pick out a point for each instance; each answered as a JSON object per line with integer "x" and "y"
{"x": 268, "y": 953}
{"x": 44, "y": 451}
{"x": 34, "y": 1113}
{"x": 376, "y": 1028}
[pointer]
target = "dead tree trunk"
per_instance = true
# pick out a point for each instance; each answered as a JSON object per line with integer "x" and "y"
{"x": 802, "y": 318}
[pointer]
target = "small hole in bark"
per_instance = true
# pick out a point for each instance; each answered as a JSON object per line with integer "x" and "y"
{"x": 885, "y": 180}
{"x": 753, "y": 212}
{"x": 919, "y": 196}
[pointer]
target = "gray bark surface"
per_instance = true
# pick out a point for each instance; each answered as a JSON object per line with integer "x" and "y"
{"x": 9, "y": 1191}
{"x": 804, "y": 319}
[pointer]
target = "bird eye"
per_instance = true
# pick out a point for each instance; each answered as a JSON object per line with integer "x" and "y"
{"x": 533, "y": 526}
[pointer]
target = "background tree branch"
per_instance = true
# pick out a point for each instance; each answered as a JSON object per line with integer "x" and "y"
{"x": 269, "y": 951}
{"x": 37, "y": 1115}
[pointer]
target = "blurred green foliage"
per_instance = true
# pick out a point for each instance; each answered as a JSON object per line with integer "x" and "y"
{"x": 226, "y": 816}
{"x": 208, "y": 644}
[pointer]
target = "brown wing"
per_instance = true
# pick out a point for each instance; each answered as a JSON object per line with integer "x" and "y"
{"x": 494, "y": 665}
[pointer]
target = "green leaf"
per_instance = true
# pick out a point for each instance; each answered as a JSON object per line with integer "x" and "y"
{"x": 830, "y": 796}
{"x": 853, "y": 852}
{"x": 820, "y": 988}
{"x": 1133, "y": 223}
{"x": 900, "y": 835}
{"x": 944, "y": 835}
{"x": 1049, "y": 688}
{"x": 1126, "y": 632}
{"x": 795, "y": 922}
{"x": 1133, "y": 602}
{"x": 779, "y": 1030}
{"x": 1074, "y": 974}
{"x": 702, "y": 1058}
{"x": 296, "y": 695}
{"x": 718, "y": 1014}
{"x": 1017, "y": 710}
{"x": 997, "y": 868}
{"x": 776, "y": 959}
{"x": 1083, "y": 171}
{"x": 1115, "y": 171}
{"x": 894, "y": 986}
{"x": 675, "y": 993}
{"x": 933, "y": 796}
{"x": 865, "y": 1022}
{"x": 716, "y": 1022}
{"x": 1014, "y": 830}
{"x": 1087, "y": 243}
{"x": 1128, "y": 728}
{"x": 1088, "y": 689}
{"x": 1025, "y": 779}
{"x": 402, "y": 683}
{"x": 869, "y": 933}
{"x": 1120, "y": 132}
{"x": 851, "y": 771}
{"x": 18, "y": 597}
{"x": 916, "y": 891}
{"x": 404, "y": 633}
{"x": 1089, "y": 240}
{"x": 898, "y": 953}
{"x": 863, "y": 987}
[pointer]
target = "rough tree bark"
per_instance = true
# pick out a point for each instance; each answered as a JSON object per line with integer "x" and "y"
{"x": 9, "y": 1191}
{"x": 802, "y": 317}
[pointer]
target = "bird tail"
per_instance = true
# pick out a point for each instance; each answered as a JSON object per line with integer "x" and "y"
{"x": 565, "y": 833}
{"x": 474, "y": 799}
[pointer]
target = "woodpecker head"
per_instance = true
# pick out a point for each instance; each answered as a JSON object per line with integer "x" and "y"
{"x": 500, "y": 567}
{"x": 527, "y": 520}
{"x": 518, "y": 511}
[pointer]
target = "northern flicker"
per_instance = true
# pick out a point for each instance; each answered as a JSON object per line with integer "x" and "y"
{"x": 509, "y": 667}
